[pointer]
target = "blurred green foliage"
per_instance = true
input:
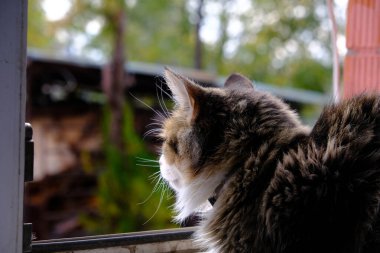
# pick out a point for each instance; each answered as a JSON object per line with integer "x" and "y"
{"x": 126, "y": 201}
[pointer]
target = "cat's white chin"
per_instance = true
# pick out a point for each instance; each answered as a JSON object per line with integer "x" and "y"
{"x": 170, "y": 173}
{"x": 184, "y": 208}
{"x": 190, "y": 197}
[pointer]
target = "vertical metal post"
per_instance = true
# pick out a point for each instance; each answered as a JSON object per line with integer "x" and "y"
{"x": 13, "y": 26}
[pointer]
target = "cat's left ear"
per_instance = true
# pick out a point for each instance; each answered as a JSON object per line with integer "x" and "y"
{"x": 237, "y": 81}
{"x": 185, "y": 92}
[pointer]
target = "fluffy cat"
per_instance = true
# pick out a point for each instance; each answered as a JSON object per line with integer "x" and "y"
{"x": 279, "y": 186}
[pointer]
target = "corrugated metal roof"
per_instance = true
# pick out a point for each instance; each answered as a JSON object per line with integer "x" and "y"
{"x": 362, "y": 63}
{"x": 362, "y": 74}
{"x": 132, "y": 67}
{"x": 289, "y": 94}
{"x": 363, "y": 24}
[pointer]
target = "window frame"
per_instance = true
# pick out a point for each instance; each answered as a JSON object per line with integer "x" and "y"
{"x": 13, "y": 26}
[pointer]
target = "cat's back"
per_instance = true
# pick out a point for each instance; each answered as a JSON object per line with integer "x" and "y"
{"x": 355, "y": 121}
{"x": 325, "y": 194}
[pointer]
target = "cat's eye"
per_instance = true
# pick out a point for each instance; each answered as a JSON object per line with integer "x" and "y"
{"x": 173, "y": 144}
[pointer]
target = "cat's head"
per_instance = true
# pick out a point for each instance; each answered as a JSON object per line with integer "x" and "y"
{"x": 209, "y": 131}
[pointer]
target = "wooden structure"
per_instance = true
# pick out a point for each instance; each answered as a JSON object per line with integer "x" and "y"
{"x": 362, "y": 62}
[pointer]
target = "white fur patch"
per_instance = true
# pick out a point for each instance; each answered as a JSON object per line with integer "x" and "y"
{"x": 170, "y": 173}
{"x": 194, "y": 196}
{"x": 190, "y": 196}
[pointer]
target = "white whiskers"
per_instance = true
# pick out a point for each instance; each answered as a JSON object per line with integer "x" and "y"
{"x": 161, "y": 101}
{"x": 160, "y": 185}
{"x": 158, "y": 207}
{"x": 158, "y": 113}
{"x": 156, "y": 129}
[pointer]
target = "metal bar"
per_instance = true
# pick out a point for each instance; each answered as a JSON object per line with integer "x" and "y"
{"x": 29, "y": 153}
{"x": 27, "y": 238}
{"x": 28, "y": 176}
{"x": 108, "y": 241}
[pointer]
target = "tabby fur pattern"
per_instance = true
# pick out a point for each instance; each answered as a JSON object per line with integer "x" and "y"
{"x": 281, "y": 187}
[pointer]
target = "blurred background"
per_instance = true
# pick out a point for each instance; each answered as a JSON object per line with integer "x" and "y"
{"x": 95, "y": 93}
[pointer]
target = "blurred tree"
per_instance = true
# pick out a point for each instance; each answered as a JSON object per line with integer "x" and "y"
{"x": 165, "y": 37}
{"x": 220, "y": 53}
{"x": 38, "y": 28}
{"x": 276, "y": 38}
{"x": 122, "y": 185}
{"x": 198, "y": 42}
{"x": 114, "y": 77}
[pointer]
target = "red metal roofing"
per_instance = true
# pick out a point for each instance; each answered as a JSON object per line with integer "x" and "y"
{"x": 363, "y": 24}
{"x": 362, "y": 63}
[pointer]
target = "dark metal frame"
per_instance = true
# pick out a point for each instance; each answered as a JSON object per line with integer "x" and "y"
{"x": 114, "y": 240}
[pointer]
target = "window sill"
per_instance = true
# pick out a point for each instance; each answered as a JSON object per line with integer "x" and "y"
{"x": 168, "y": 240}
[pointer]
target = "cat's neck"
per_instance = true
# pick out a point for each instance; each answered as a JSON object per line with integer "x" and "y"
{"x": 259, "y": 146}
{"x": 260, "y": 160}
{"x": 246, "y": 180}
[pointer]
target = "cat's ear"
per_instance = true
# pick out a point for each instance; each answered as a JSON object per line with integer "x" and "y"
{"x": 237, "y": 81}
{"x": 185, "y": 92}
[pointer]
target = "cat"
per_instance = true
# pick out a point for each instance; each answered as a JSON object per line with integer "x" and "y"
{"x": 279, "y": 186}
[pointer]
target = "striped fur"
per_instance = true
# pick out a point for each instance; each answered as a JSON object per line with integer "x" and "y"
{"x": 282, "y": 187}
